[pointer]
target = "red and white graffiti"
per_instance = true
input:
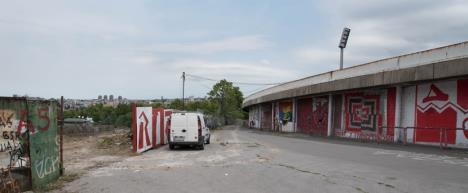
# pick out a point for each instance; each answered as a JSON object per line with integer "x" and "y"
{"x": 145, "y": 128}
{"x": 362, "y": 112}
{"x": 320, "y": 115}
{"x": 442, "y": 106}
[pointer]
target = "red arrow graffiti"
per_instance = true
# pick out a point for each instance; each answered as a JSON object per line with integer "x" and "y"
{"x": 143, "y": 131}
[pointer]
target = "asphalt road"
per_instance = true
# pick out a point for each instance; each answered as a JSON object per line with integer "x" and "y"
{"x": 243, "y": 161}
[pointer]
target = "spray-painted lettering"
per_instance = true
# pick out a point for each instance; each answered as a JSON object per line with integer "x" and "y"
{"x": 47, "y": 165}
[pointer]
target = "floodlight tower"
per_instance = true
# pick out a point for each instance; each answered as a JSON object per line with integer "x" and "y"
{"x": 342, "y": 45}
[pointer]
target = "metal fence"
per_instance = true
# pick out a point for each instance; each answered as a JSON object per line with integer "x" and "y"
{"x": 405, "y": 135}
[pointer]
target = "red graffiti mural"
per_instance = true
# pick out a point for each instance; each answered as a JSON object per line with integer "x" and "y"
{"x": 462, "y": 101}
{"x": 362, "y": 112}
{"x": 429, "y": 122}
{"x": 304, "y": 115}
{"x": 25, "y": 123}
{"x": 320, "y": 115}
{"x": 435, "y": 94}
{"x": 391, "y": 108}
{"x": 313, "y": 115}
{"x": 441, "y": 109}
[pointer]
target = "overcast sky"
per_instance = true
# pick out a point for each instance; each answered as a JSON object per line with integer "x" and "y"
{"x": 139, "y": 49}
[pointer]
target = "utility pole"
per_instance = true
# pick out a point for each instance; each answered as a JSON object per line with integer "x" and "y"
{"x": 162, "y": 101}
{"x": 183, "y": 90}
{"x": 61, "y": 135}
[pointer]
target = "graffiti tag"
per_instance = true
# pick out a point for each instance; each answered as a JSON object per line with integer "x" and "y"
{"x": 47, "y": 165}
{"x": 26, "y": 124}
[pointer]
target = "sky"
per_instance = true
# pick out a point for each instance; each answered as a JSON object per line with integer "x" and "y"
{"x": 138, "y": 49}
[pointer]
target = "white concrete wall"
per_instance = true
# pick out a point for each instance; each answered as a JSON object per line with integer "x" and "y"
{"x": 407, "y": 111}
{"x": 254, "y": 116}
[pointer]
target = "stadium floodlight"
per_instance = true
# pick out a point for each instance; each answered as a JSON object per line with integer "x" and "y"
{"x": 342, "y": 45}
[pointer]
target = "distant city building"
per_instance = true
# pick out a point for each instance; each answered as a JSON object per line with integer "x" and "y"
{"x": 120, "y": 98}
{"x": 105, "y": 97}
{"x": 111, "y": 97}
{"x": 99, "y": 97}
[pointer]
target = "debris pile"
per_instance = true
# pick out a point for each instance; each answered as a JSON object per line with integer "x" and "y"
{"x": 119, "y": 138}
{"x": 7, "y": 183}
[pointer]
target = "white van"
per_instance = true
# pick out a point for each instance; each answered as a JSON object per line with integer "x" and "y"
{"x": 188, "y": 129}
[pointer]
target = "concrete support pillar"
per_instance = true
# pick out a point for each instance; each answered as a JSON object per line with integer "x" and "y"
{"x": 398, "y": 108}
{"x": 277, "y": 116}
{"x": 330, "y": 117}
{"x": 294, "y": 114}
{"x": 343, "y": 112}
{"x": 259, "y": 113}
{"x": 272, "y": 116}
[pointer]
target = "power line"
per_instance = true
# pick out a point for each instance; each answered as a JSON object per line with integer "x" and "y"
{"x": 255, "y": 90}
{"x": 239, "y": 83}
{"x": 199, "y": 82}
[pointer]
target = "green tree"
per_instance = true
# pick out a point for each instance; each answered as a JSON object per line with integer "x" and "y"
{"x": 228, "y": 99}
{"x": 176, "y": 104}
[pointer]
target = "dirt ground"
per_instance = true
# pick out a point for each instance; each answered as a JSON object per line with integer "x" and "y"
{"x": 84, "y": 153}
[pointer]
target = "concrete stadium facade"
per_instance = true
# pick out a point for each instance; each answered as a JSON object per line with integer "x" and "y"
{"x": 417, "y": 98}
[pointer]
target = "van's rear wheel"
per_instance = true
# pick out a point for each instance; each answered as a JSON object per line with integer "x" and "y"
{"x": 202, "y": 146}
{"x": 208, "y": 141}
{"x": 171, "y": 146}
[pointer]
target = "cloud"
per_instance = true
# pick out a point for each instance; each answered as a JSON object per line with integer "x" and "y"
{"x": 144, "y": 60}
{"x": 411, "y": 25}
{"x": 238, "y": 43}
{"x": 314, "y": 55}
{"x": 255, "y": 72}
{"x": 382, "y": 29}
{"x": 60, "y": 18}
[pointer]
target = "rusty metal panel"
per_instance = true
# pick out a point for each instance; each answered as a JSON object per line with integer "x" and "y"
{"x": 337, "y": 112}
{"x": 266, "y": 116}
{"x": 304, "y": 115}
{"x": 41, "y": 122}
{"x": 313, "y": 115}
{"x": 29, "y": 139}
{"x": 13, "y": 149}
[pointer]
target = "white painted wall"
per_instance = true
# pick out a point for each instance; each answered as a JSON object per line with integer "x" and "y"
{"x": 254, "y": 115}
{"x": 407, "y": 111}
{"x": 141, "y": 113}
